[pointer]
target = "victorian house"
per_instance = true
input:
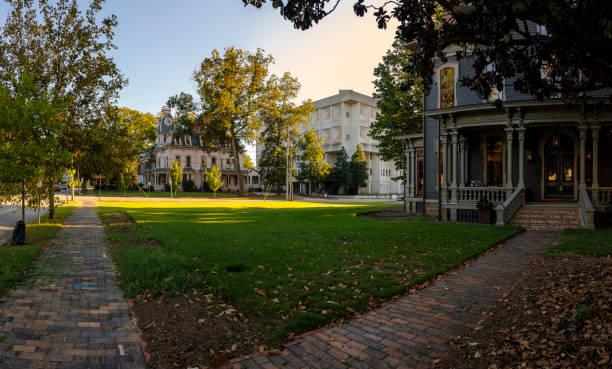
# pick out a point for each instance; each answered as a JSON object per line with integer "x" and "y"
{"x": 187, "y": 150}
{"x": 542, "y": 164}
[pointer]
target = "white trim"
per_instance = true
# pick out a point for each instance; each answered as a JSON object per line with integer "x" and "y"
{"x": 451, "y": 64}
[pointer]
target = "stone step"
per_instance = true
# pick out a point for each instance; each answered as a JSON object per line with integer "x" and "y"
{"x": 548, "y": 218}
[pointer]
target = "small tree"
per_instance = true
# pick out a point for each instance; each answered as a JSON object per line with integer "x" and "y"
{"x": 311, "y": 160}
{"x": 213, "y": 179}
{"x": 247, "y": 162}
{"x": 340, "y": 175}
{"x": 176, "y": 174}
{"x": 359, "y": 171}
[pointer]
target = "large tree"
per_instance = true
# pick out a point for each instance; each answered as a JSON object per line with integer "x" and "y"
{"x": 282, "y": 118}
{"x": 66, "y": 50}
{"x": 29, "y": 132}
{"x": 359, "y": 171}
{"x": 311, "y": 164}
{"x": 400, "y": 104}
{"x": 232, "y": 89}
{"x": 573, "y": 44}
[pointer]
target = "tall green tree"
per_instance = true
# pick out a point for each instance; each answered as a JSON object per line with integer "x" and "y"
{"x": 400, "y": 104}
{"x": 232, "y": 89}
{"x": 282, "y": 118}
{"x": 574, "y": 44}
{"x": 359, "y": 171}
{"x": 31, "y": 124}
{"x": 117, "y": 141}
{"x": 339, "y": 178}
{"x": 176, "y": 176}
{"x": 66, "y": 47}
{"x": 312, "y": 167}
{"x": 213, "y": 179}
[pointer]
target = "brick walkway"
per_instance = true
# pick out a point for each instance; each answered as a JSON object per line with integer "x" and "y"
{"x": 71, "y": 314}
{"x": 416, "y": 329}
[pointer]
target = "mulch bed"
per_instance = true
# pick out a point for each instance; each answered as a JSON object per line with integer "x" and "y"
{"x": 393, "y": 214}
{"x": 558, "y": 316}
{"x": 195, "y": 330}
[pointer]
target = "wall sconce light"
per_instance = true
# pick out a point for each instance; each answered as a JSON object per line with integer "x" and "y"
{"x": 589, "y": 155}
{"x": 555, "y": 140}
{"x": 528, "y": 155}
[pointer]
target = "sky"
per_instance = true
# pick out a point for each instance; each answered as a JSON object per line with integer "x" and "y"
{"x": 161, "y": 42}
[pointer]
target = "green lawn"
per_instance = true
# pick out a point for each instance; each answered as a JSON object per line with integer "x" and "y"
{"x": 183, "y": 195}
{"x": 583, "y": 242}
{"x": 291, "y": 267}
{"x": 16, "y": 261}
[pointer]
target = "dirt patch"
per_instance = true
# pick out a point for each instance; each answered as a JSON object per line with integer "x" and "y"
{"x": 393, "y": 214}
{"x": 195, "y": 330}
{"x": 558, "y": 316}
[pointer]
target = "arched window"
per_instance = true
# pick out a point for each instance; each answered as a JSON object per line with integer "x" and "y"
{"x": 214, "y": 161}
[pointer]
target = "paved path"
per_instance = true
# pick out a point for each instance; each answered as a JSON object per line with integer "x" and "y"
{"x": 71, "y": 314}
{"x": 416, "y": 329}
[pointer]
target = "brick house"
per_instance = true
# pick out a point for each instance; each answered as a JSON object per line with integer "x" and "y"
{"x": 543, "y": 164}
{"x": 192, "y": 158}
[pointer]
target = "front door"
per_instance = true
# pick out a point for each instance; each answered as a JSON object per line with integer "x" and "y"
{"x": 559, "y": 168}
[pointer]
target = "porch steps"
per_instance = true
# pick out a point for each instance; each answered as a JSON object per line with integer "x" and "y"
{"x": 543, "y": 216}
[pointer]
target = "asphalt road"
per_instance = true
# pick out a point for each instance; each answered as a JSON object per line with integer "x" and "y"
{"x": 9, "y": 215}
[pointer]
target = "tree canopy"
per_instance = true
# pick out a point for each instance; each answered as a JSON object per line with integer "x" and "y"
{"x": 232, "y": 89}
{"x": 571, "y": 42}
{"x": 312, "y": 167}
{"x": 400, "y": 104}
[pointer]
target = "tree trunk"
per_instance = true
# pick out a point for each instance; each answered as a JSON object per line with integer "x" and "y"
{"x": 237, "y": 166}
{"x": 23, "y": 200}
{"x": 310, "y": 187}
{"x": 52, "y": 201}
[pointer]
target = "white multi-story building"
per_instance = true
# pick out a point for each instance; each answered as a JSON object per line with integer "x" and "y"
{"x": 344, "y": 120}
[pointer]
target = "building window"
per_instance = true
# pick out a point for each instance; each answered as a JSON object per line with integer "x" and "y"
{"x": 255, "y": 180}
{"x": 420, "y": 173}
{"x": 348, "y": 137}
{"x": 347, "y": 114}
{"x": 214, "y": 161}
{"x": 188, "y": 140}
{"x": 178, "y": 158}
{"x": 188, "y": 165}
{"x": 495, "y": 161}
{"x": 447, "y": 87}
{"x": 495, "y": 93}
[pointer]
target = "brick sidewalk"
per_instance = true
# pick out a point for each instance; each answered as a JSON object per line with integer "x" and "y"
{"x": 416, "y": 329}
{"x": 70, "y": 314}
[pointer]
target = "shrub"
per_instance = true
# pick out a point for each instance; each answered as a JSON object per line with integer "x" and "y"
{"x": 188, "y": 185}
{"x": 167, "y": 187}
{"x": 484, "y": 204}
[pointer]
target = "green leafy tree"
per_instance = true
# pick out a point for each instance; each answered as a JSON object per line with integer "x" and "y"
{"x": 232, "y": 89}
{"x": 65, "y": 46}
{"x": 176, "y": 175}
{"x": 400, "y": 104}
{"x": 116, "y": 143}
{"x": 574, "y": 47}
{"x": 339, "y": 179}
{"x": 282, "y": 118}
{"x": 213, "y": 180}
{"x": 312, "y": 167}
{"x": 31, "y": 124}
{"x": 247, "y": 162}
{"x": 359, "y": 171}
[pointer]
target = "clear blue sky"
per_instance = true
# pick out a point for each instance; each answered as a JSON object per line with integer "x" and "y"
{"x": 161, "y": 42}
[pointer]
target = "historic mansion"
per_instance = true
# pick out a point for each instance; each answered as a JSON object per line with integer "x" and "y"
{"x": 194, "y": 161}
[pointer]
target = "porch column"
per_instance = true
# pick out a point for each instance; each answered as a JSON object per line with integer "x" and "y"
{"x": 410, "y": 172}
{"x": 583, "y": 131}
{"x": 595, "y": 134}
{"x": 595, "y": 186}
{"x": 444, "y": 140}
{"x": 462, "y": 157}
{"x": 521, "y": 136}
{"x": 464, "y": 163}
{"x": 509, "y": 138}
{"x": 455, "y": 158}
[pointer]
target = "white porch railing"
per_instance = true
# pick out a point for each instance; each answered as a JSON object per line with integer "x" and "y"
{"x": 602, "y": 196}
{"x": 513, "y": 203}
{"x": 475, "y": 194}
{"x": 586, "y": 208}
